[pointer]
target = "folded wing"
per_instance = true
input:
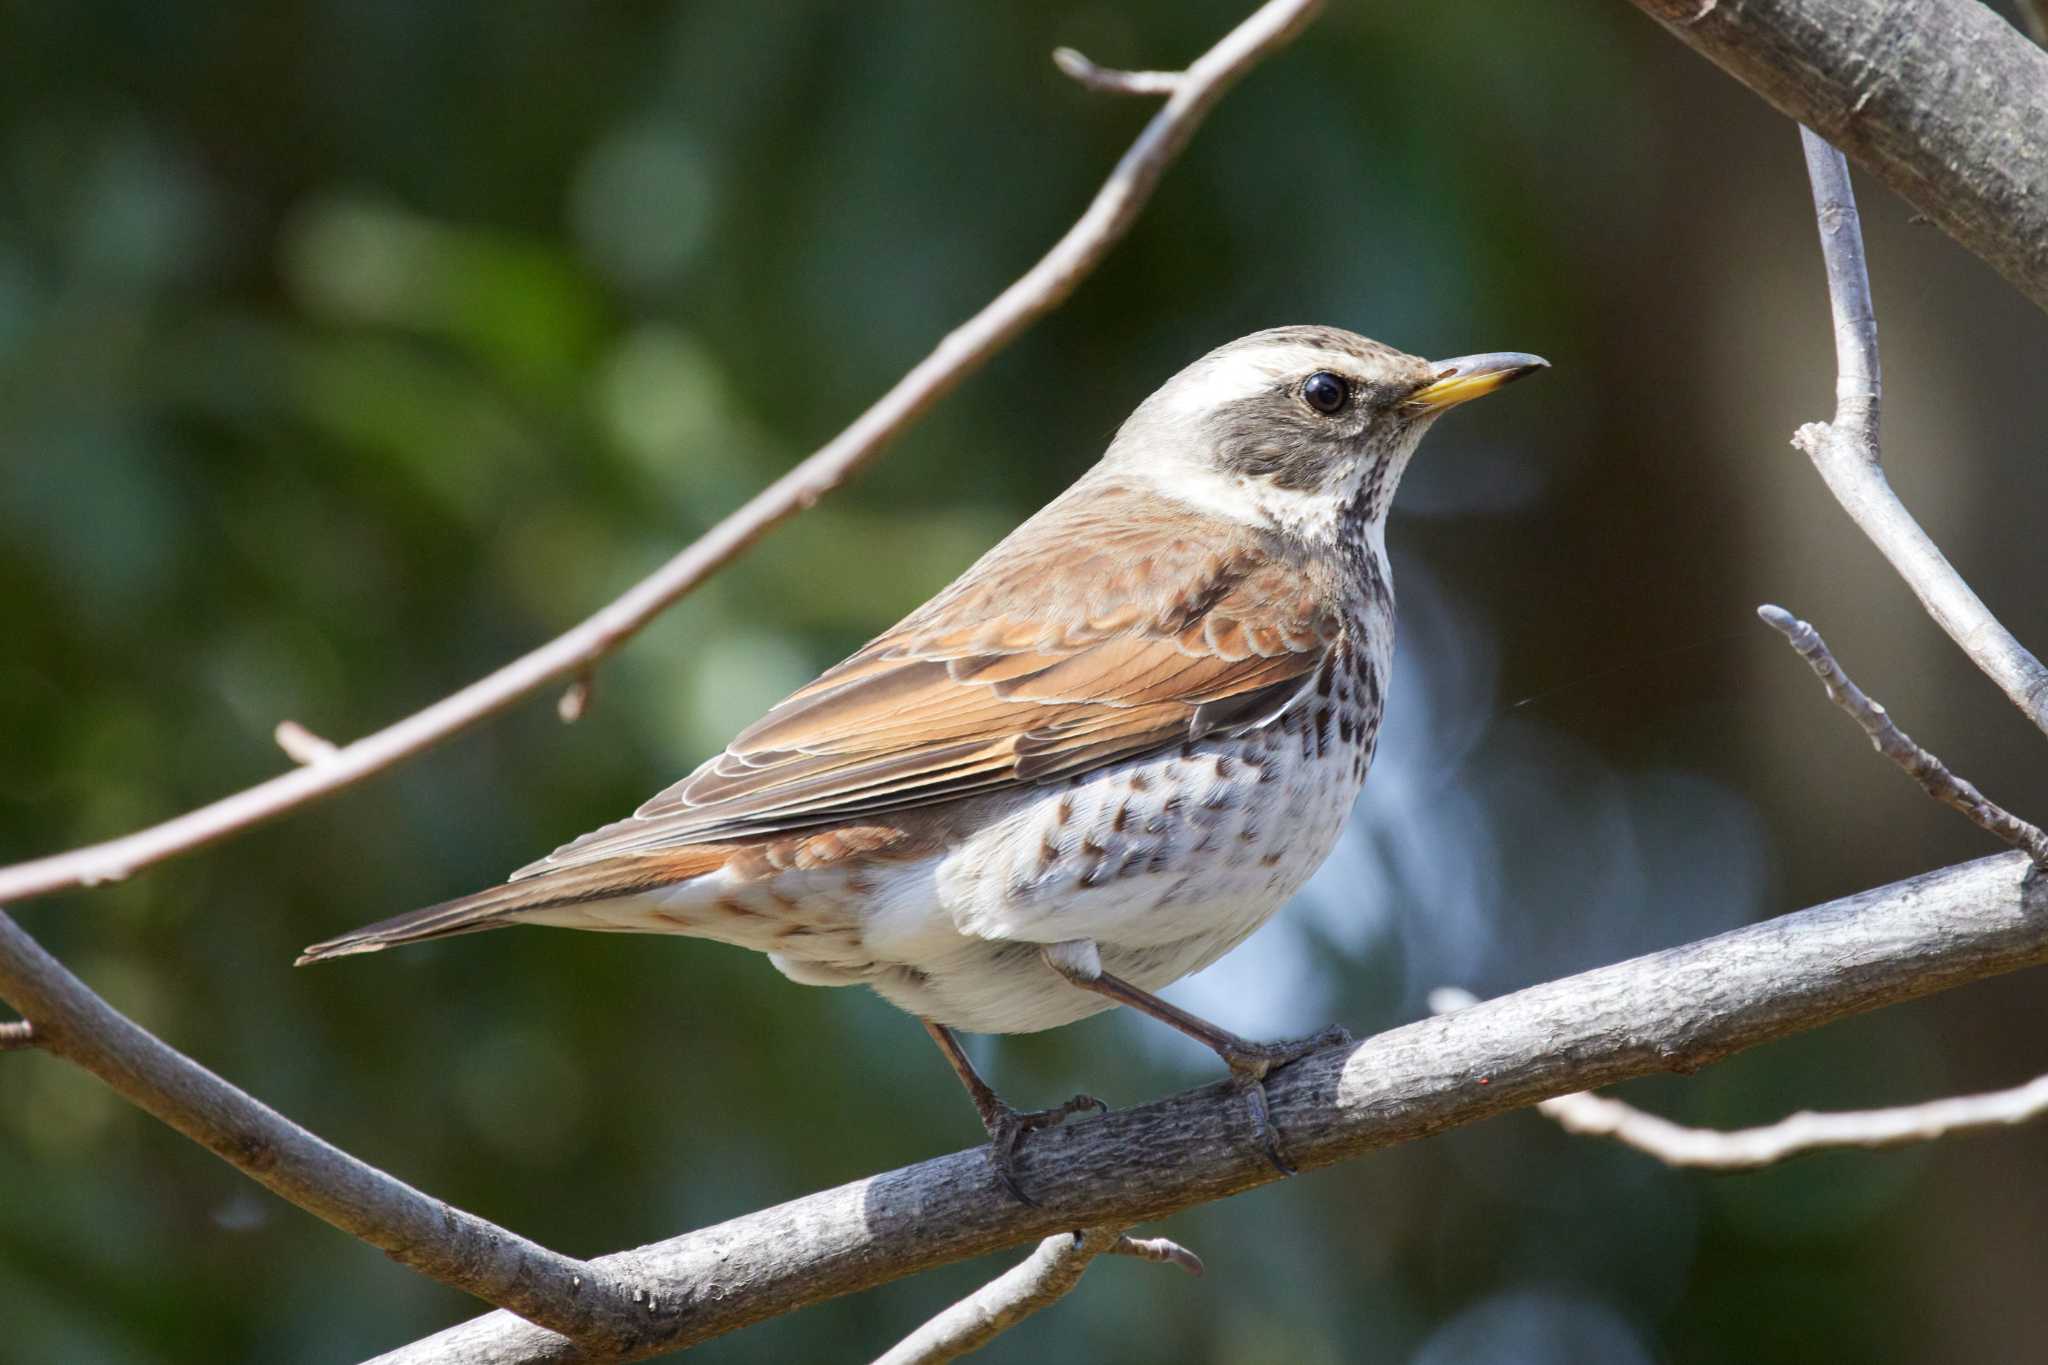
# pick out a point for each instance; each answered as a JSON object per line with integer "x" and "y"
{"x": 1097, "y": 632}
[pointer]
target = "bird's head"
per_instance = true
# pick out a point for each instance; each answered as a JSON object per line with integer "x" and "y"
{"x": 1300, "y": 428}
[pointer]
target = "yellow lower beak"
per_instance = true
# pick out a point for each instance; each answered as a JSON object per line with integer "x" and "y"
{"x": 1467, "y": 377}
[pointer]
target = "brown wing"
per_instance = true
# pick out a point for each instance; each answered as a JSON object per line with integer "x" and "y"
{"x": 1099, "y": 630}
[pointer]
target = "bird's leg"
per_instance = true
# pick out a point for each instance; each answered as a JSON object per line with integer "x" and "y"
{"x": 1249, "y": 1062}
{"x": 1006, "y": 1126}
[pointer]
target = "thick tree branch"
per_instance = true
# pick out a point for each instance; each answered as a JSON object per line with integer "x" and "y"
{"x": 577, "y": 1299}
{"x": 1671, "y": 1011}
{"x": 1038, "y": 291}
{"x": 1042, "y": 1279}
{"x": 1849, "y": 456}
{"x": 1934, "y": 776}
{"x": 1942, "y": 99}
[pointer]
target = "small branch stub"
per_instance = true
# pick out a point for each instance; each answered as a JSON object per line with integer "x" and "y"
{"x": 302, "y": 745}
{"x": 17, "y": 1035}
{"x": 575, "y": 699}
{"x": 1108, "y": 80}
{"x": 1895, "y": 744}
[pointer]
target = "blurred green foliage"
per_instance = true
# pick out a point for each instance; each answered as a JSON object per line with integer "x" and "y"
{"x": 348, "y": 349}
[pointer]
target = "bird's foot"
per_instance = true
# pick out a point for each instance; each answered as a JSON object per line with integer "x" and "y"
{"x": 1250, "y": 1064}
{"x": 1007, "y": 1127}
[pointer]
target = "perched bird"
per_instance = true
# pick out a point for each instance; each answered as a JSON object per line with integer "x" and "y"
{"x": 1093, "y": 764}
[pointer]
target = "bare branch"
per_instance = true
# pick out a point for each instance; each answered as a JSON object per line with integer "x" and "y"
{"x": 1037, "y": 292}
{"x": 579, "y": 1300}
{"x": 1749, "y": 1149}
{"x": 1109, "y": 81}
{"x": 1039, "y": 1281}
{"x": 1675, "y": 1010}
{"x": 1848, "y": 455}
{"x": 1942, "y": 99}
{"x": 301, "y": 745}
{"x": 17, "y": 1035}
{"x": 1895, "y": 744}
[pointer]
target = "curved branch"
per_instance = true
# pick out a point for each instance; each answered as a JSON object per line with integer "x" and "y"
{"x": 1850, "y": 459}
{"x": 590, "y": 1303}
{"x": 1038, "y": 291}
{"x": 1942, "y": 99}
{"x": 1749, "y": 1149}
{"x": 1935, "y": 777}
{"x": 1675, "y": 1010}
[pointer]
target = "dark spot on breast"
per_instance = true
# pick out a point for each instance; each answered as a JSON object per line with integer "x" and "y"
{"x": 1224, "y": 766}
{"x": 1121, "y": 818}
{"x": 1140, "y": 782}
{"x": 1092, "y": 849}
{"x": 1269, "y": 860}
{"x": 1048, "y": 854}
{"x": 1064, "y": 811}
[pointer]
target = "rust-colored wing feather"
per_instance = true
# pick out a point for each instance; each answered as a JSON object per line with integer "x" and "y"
{"x": 1099, "y": 630}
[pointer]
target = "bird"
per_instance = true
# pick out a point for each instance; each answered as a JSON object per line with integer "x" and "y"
{"x": 1093, "y": 764}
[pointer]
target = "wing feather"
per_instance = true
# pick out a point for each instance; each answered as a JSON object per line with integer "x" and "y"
{"x": 1036, "y": 665}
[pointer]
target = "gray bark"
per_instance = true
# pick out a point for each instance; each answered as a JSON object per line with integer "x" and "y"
{"x": 1675, "y": 1010}
{"x": 1942, "y": 99}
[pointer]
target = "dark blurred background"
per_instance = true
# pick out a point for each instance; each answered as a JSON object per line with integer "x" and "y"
{"x": 348, "y": 349}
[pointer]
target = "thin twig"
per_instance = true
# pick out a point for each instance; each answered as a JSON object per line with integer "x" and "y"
{"x": 17, "y": 1035}
{"x": 590, "y": 1303}
{"x": 300, "y": 744}
{"x": 1108, "y": 80}
{"x": 1848, "y": 454}
{"x": 1749, "y": 1149}
{"x": 1895, "y": 744}
{"x": 1674, "y": 1010}
{"x": 1037, "y": 292}
{"x": 1039, "y": 1281}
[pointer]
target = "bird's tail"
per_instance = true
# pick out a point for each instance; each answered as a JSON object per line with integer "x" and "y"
{"x": 505, "y": 905}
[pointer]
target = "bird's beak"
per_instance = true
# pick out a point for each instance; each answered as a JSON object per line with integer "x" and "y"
{"x": 1465, "y": 377}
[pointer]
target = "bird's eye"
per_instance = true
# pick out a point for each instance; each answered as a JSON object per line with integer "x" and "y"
{"x": 1325, "y": 392}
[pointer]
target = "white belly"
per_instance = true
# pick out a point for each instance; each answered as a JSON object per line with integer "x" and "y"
{"x": 1165, "y": 863}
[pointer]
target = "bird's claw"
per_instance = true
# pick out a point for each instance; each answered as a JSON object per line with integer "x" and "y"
{"x": 1251, "y": 1063}
{"x": 1007, "y": 1127}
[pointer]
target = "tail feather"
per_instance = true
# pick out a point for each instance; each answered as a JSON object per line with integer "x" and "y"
{"x": 501, "y": 906}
